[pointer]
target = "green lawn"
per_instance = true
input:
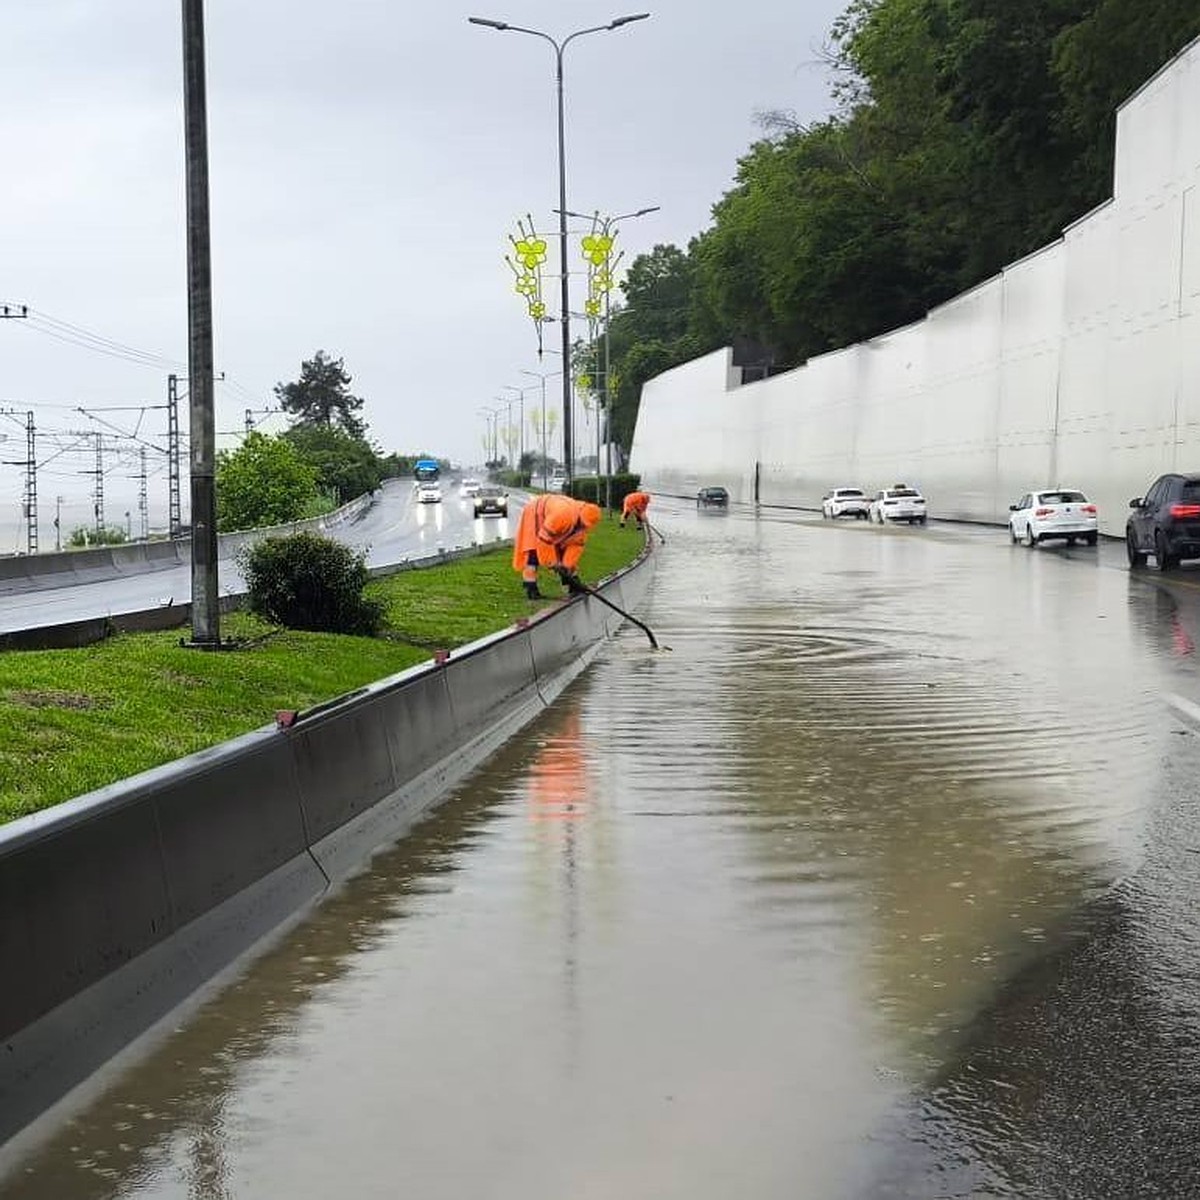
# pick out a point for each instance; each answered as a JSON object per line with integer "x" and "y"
{"x": 74, "y": 720}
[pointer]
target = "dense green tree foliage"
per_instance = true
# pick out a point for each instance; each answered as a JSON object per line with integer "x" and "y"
{"x": 347, "y": 464}
{"x": 966, "y": 134}
{"x": 265, "y": 481}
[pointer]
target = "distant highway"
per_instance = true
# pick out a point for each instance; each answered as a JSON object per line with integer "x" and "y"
{"x": 393, "y": 529}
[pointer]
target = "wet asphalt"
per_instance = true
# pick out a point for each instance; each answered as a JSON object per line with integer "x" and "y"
{"x": 882, "y": 882}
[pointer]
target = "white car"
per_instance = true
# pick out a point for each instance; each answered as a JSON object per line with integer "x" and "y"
{"x": 846, "y": 502}
{"x": 898, "y": 503}
{"x": 1053, "y": 513}
{"x": 558, "y": 480}
{"x": 429, "y": 493}
{"x": 469, "y": 489}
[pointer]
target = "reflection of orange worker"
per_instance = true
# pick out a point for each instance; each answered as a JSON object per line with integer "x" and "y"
{"x": 551, "y": 533}
{"x": 558, "y": 784}
{"x": 635, "y": 506}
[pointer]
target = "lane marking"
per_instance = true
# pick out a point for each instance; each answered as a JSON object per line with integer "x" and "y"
{"x": 1184, "y": 708}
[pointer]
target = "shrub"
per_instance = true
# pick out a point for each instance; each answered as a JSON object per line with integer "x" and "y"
{"x": 593, "y": 489}
{"x": 87, "y": 535}
{"x": 306, "y": 581}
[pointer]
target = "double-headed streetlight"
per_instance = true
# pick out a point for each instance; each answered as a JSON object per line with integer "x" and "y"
{"x": 542, "y": 376}
{"x": 559, "y": 48}
{"x": 512, "y": 387}
{"x": 492, "y": 415}
{"x": 608, "y": 226}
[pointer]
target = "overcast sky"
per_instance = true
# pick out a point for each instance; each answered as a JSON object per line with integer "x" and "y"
{"x": 368, "y": 159}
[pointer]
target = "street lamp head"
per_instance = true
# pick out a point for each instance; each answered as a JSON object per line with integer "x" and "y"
{"x": 626, "y": 20}
{"x": 485, "y": 21}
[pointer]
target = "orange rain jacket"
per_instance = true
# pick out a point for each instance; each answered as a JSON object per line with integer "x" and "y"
{"x": 555, "y": 528}
{"x": 635, "y": 505}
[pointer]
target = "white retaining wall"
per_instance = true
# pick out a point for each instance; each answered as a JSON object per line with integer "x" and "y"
{"x": 1079, "y": 365}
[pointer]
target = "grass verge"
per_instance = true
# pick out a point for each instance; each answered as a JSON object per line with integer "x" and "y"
{"x": 74, "y": 720}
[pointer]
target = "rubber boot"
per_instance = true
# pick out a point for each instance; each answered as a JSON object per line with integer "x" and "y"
{"x": 531, "y": 591}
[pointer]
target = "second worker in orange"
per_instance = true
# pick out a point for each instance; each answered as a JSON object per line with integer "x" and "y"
{"x": 635, "y": 506}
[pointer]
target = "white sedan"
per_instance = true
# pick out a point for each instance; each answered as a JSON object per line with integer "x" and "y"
{"x": 846, "y": 502}
{"x": 429, "y": 493}
{"x": 1055, "y": 513}
{"x": 898, "y": 503}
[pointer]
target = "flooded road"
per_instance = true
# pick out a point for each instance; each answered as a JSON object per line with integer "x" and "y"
{"x": 882, "y": 882}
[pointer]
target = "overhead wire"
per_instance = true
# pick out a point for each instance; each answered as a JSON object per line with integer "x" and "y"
{"x": 77, "y": 335}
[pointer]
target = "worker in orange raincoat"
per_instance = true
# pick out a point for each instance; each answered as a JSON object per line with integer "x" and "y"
{"x": 635, "y": 506}
{"x": 551, "y": 533}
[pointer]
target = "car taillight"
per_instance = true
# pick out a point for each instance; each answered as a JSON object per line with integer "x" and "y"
{"x": 1042, "y": 512}
{"x": 1185, "y": 510}
{"x": 1090, "y": 509}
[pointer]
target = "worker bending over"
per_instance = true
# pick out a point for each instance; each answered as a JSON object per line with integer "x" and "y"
{"x": 551, "y": 533}
{"x": 635, "y": 506}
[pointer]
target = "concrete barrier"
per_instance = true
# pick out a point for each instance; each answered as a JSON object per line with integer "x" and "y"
{"x": 118, "y": 906}
{"x": 32, "y": 572}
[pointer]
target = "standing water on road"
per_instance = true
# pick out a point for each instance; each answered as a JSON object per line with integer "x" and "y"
{"x": 880, "y": 884}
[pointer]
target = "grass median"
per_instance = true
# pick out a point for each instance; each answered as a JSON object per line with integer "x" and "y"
{"x": 75, "y": 720}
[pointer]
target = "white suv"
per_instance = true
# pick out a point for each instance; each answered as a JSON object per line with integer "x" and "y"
{"x": 898, "y": 503}
{"x": 846, "y": 502}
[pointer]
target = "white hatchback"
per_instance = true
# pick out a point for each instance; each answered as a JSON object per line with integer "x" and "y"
{"x": 898, "y": 503}
{"x": 1055, "y": 513}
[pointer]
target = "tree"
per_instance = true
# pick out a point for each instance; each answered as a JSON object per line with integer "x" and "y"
{"x": 346, "y": 466}
{"x": 321, "y": 396}
{"x": 1101, "y": 59}
{"x": 264, "y": 482}
{"x": 89, "y": 535}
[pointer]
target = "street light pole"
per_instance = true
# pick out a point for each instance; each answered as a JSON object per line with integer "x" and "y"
{"x": 608, "y": 225}
{"x": 559, "y": 49}
{"x": 507, "y": 402}
{"x": 491, "y": 415}
{"x": 509, "y": 387}
{"x": 542, "y": 377}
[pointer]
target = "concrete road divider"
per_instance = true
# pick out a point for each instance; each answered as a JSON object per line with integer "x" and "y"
{"x": 34, "y": 572}
{"x": 117, "y": 907}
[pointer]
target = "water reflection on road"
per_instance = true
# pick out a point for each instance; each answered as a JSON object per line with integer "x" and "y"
{"x": 879, "y": 884}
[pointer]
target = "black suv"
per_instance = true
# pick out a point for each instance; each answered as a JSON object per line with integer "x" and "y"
{"x": 715, "y": 496}
{"x": 1165, "y": 522}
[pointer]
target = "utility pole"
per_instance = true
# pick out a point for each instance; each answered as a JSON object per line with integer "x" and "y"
{"x": 206, "y": 612}
{"x": 174, "y": 505}
{"x": 20, "y": 312}
{"x": 97, "y": 474}
{"x": 251, "y": 413}
{"x": 31, "y": 500}
{"x": 29, "y": 462}
{"x": 144, "y": 499}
